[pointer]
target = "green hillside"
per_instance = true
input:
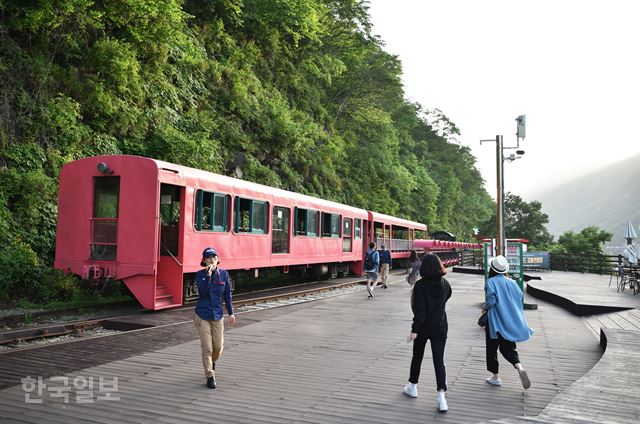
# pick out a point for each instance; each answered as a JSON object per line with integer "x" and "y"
{"x": 296, "y": 94}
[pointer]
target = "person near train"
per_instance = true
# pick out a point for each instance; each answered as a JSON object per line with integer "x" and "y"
{"x": 214, "y": 289}
{"x": 429, "y": 297}
{"x": 371, "y": 265}
{"x": 385, "y": 264}
{"x": 506, "y": 323}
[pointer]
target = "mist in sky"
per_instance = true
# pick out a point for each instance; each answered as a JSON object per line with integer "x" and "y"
{"x": 572, "y": 67}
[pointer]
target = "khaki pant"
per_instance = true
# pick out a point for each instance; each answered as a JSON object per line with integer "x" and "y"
{"x": 384, "y": 273}
{"x": 211, "y": 341}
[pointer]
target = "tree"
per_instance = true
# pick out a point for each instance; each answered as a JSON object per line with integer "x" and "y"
{"x": 521, "y": 220}
{"x": 590, "y": 240}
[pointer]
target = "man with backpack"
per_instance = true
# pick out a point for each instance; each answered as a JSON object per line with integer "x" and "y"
{"x": 371, "y": 263}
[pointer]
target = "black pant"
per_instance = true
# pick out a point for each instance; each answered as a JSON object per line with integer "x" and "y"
{"x": 437, "y": 352}
{"x": 507, "y": 349}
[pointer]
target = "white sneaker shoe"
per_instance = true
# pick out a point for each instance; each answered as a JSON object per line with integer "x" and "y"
{"x": 494, "y": 381}
{"x": 410, "y": 391}
{"x": 442, "y": 402}
{"x": 524, "y": 378}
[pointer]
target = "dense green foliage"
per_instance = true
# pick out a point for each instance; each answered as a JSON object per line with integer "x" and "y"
{"x": 296, "y": 94}
{"x": 521, "y": 220}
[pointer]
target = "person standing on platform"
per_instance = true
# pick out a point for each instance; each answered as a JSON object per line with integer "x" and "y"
{"x": 214, "y": 287}
{"x": 413, "y": 272}
{"x": 371, "y": 264}
{"x": 385, "y": 264}
{"x": 428, "y": 300}
{"x": 506, "y": 323}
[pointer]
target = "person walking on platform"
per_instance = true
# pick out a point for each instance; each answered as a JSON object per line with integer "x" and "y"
{"x": 371, "y": 263}
{"x": 385, "y": 264}
{"x": 506, "y": 323}
{"x": 413, "y": 272}
{"x": 428, "y": 300}
{"x": 214, "y": 287}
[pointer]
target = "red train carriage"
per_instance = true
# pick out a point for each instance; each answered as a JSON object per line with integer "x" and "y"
{"x": 145, "y": 222}
{"x": 447, "y": 251}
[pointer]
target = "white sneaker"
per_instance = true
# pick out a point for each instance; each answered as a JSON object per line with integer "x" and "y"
{"x": 494, "y": 381}
{"x": 410, "y": 391}
{"x": 442, "y": 402}
{"x": 524, "y": 378}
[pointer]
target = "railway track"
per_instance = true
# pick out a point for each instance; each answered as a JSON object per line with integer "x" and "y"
{"x": 19, "y": 338}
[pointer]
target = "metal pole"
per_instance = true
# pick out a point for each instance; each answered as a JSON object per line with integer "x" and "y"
{"x": 500, "y": 235}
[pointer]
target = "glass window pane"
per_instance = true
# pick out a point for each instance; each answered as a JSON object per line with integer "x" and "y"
{"x": 258, "y": 217}
{"x": 220, "y": 207}
{"x": 335, "y": 225}
{"x": 312, "y": 223}
{"x": 105, "y": 197}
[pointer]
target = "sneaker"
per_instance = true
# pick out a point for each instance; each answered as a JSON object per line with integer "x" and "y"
{"x": 524, "y": 378}
{"x": 494, "y": 381}
{"x": 384, "y": 286}
{"x": 410, "y": 391}
{"x": 442, "y": 403}
{"x": 211, "y": 382}
{"x": 370, "y": 291}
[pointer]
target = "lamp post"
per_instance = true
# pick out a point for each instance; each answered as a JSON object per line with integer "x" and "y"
{"x": 501, "y": 233}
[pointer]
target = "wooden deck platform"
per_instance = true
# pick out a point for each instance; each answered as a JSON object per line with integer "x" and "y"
{"x": 582, "y": 293}
{"x": 337, "y": 360}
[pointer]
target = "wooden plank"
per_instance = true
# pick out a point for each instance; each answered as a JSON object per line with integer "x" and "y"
{"x": 337, "y": 360}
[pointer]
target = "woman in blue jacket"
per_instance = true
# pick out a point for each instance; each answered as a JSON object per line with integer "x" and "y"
{"x": 506, "y": 323}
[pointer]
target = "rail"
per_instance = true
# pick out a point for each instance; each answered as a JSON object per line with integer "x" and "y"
{"x": 589, "y": 263}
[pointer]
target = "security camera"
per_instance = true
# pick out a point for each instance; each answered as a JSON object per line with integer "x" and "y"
{"x": 520, "y": 152}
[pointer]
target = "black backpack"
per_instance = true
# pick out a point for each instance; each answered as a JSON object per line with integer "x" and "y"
{"x": 368, "y": 261}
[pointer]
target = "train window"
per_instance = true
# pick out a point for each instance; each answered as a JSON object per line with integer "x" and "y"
{"x": 104, "y": 223}
{"x": 331, "y": 224}
{"x": 306, "y": 222}
{"x": 357, "y": 229}
{"x": 250, "y": 216}
{"x": 105, "y": 197}
{"x": 280, "y": 228}
{"x": 211, "y": 211}
{"x": 346, "y": 235}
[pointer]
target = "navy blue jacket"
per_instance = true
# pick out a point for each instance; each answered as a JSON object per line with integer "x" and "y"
{"x": 385, "y": 257}
{"x": 212, "y": 290}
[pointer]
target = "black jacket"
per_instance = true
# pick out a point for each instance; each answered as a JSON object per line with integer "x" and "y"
{"x": 428, "y": 304}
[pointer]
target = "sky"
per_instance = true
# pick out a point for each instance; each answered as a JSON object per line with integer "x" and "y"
{"x": 572, "y": 67}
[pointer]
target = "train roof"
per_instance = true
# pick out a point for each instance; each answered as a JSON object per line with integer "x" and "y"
{"x": 375, "y": 216}
{"x": 194, "y": 174}
{"x": 248, "y": 186}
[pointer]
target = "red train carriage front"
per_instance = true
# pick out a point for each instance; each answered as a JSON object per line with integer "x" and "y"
{"x": 145, "y": 222}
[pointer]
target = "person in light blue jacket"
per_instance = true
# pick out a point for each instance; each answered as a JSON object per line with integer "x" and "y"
{"x": 506, "y": 323}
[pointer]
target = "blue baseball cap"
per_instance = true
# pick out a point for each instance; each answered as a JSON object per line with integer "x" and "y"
{"x": 207, "y": 253}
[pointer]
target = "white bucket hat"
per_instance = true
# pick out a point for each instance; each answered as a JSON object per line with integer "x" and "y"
{"x": 500, "y": 265}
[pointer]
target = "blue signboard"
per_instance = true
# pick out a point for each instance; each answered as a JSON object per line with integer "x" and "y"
{"x": 536, "y": 260}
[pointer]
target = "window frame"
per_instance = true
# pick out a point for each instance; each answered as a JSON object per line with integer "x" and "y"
{"x": 237, "y": 200}
{"x": 199, "y": 210}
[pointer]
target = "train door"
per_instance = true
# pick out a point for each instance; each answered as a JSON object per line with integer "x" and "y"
{"x": 169, "y": 274}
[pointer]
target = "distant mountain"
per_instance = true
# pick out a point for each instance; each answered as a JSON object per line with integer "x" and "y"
{"x": 607, "y": 197}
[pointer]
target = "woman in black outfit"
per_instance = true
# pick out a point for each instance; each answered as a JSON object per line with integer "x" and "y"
{"x": 428, "y": 299}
